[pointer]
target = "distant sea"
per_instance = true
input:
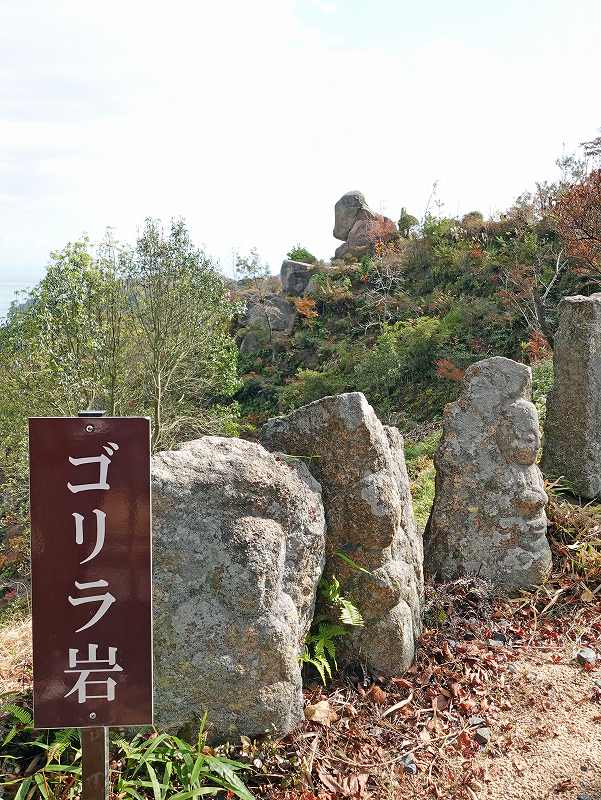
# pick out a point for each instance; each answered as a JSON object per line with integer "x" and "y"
{"x": 9, "y": 287}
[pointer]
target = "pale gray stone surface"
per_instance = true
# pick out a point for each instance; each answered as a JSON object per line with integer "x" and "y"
{"x": 488, "y": 517}
{"x": 572, "y": 447}
{"x": 361, "y": 467}
{"x": 295, "y": 275}
{"x": 239, "y": 537}
{"x": 272, "y": 313}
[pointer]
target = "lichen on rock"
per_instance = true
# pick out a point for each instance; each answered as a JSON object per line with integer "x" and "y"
{"x": 361, "y": 467}
{"x": 238, "y": 552}
{"x": 488, "y": 517}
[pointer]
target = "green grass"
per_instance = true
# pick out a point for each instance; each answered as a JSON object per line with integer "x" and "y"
{"x": 422, "y": 490}
{"x": 420, "y": 466}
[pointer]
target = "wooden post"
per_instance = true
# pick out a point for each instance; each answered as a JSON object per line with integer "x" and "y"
{"x": 95, "y": 763}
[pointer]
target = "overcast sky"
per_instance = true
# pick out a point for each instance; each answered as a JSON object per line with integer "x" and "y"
{"x": 250, "y": 119}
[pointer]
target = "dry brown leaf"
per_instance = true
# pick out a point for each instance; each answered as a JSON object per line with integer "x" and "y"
{"x": 377, "y": 695}
{"x": 565, "y": 785}
{"x": 321, "y": 712}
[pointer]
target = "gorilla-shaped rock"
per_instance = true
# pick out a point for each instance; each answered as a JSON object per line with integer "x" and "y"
{"x": 359, "y": 227}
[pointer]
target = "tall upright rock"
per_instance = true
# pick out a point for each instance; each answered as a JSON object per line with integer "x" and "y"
{"x": 572, "y": 446}
{"x": 488, "y": 517}
{"x": 239, "y": 537}
{"x": 361, "y": 467}
{"x": 359, "y": 227}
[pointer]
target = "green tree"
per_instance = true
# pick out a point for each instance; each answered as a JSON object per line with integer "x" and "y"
{"x": 300, "y": 253}
{"x": 182, "y": 313}
{"x": 142, "y": 330}
{"x": 406, "y": 223}
{"x": 250, "y": 267}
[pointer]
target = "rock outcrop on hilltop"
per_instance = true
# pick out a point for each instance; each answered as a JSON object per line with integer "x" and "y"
{"x": 295, "y": 277}
{"x": 359, "y": 227}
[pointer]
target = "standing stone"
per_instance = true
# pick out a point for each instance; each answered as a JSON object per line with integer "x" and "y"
{"x": 361, "y": 467}
{"x": 488, "y": 517}
{"x": 239, "y": 537}
{"x": 572, "y": 447}
{"x": 295, "y": 276}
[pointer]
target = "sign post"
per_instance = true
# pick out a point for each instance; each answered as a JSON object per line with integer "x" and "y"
{"x": 91, "y": 580}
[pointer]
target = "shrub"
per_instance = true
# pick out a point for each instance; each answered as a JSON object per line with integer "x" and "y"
{"x": 299, "y": 253}
{"x": 310, "y": 385}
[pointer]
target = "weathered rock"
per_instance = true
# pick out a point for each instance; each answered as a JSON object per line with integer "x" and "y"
{"x": 482, "y": 736}
{"x": 238, "y": 550}
{"x": 572, "y": 446}
{"x": 345, "y": 213}
{"x": 361, "y": 467}
{"x": 359, "y": 227}
{"x": 295, "y": 275}
{"x": 253, "y": 341}
{"x": 488, "y": 517}
{"x": 272, "y": 313}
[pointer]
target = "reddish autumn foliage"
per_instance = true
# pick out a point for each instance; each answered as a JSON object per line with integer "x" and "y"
{"x": 445, "y": 368}
{"x": 306, "y": 307}
{"x": 537, "y": 347}
{"x": 577, "y": 214}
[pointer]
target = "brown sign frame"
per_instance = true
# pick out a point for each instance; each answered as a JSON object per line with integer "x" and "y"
{"x": 91, "y": 554}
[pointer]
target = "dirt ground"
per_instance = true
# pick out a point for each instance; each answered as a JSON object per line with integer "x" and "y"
{"x": 548, "y": 744}
{"x": 417, "y": 736}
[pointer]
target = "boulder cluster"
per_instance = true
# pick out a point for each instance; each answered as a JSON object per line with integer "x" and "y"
{"x": 245, "y": 533}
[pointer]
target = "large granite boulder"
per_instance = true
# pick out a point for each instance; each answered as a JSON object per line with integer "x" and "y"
{"x": 488, "y": 517}
{"x": 572, "y": 446}
{"x": 359, "y": 227}
{"x": 238, "y": 551}
{"x": 295, "y": 275}
{"x": 262, "y": 320}
{"x": 273, "y": 313}
{"x": 361, "y": 467}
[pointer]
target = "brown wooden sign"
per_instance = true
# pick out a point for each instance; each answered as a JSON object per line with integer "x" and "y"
{"x": 91, "y": 571}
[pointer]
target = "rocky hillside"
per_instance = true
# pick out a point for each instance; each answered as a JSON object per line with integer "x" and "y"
{"x": 400, "y": 311}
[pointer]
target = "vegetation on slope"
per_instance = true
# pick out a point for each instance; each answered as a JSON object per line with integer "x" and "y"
{"x": 402, "y": 324}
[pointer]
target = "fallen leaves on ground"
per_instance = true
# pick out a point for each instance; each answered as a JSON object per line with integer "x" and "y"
{"x": 423, "y": 734}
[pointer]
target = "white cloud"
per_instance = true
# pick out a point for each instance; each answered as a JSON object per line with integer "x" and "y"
{"x": 250, "y": 123}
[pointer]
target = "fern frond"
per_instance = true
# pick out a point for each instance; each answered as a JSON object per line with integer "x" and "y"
{"x": 19, "y": 713}
{"x": 350, "y": 563}
{"x": 350, "y": 614}
{"x": 63, "y": 739}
